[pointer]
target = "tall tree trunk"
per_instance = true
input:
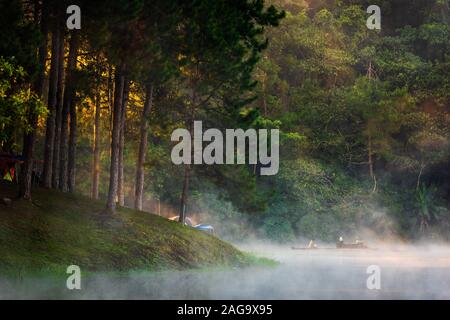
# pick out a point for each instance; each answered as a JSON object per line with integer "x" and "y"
{"x": 264, "y": 95}
{"x": 422, "y": 167}
{"x": 39, "y": 83}
{"x": 444, "y": 7}
{"x": 115, "y": 137}
{"x": 370, "y": 161}
{"x": 187, "y": 167}
{"x": 27, "y": 166}
{"x": 120, "y": 182}
{"x": 369, "y": 154}
{"x": 110, "y": 103}
{"x": 370, "y": 75}
{"x": 52, "y": 91}
{"x": 38, "y": 86}
{"x": 67, "y": 101}
{"x": 72, "y": 145}
{"x": 184, "y": 194}
{"x": 96, "y": 151}
{"x": 139, "y": 187}
{"x": 59, "y": 107}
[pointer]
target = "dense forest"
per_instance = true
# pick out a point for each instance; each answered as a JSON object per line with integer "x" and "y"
{"x": 363, "y": 114}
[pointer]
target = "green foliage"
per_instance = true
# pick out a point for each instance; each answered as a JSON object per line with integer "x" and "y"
{"x": 341, "y": 91}
{"x": 277, "y": 228}
{"x": 19, "y": 37}
{"x": 315, "y": 226}
{"x": 15, "y": 100}
{"x": 230, "y": 223}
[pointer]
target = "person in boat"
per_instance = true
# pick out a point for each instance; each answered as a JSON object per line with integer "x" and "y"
{"x": 312, "y": 244}
{"x": 340, "y": 242}
{"x": 359, "y": 243}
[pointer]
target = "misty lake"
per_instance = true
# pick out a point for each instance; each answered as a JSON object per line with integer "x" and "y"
{"x": 405, "y": 273}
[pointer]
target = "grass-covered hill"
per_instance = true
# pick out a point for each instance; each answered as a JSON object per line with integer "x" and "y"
{"x": 56, "y": 230}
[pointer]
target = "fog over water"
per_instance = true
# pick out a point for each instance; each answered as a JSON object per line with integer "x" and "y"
{"x": 407, "y": 272}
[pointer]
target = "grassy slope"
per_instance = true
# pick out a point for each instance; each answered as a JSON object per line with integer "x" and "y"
{"x": 57, "y": 230}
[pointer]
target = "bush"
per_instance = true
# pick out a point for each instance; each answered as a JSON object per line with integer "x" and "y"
{"x": 278, "y": 229}
{"x": 318, "y": 226}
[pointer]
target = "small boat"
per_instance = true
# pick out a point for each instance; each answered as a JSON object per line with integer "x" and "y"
{"x": 358, "y": 244}
{"x": 314, "y": 248}
{"x": 355, "y": 245}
